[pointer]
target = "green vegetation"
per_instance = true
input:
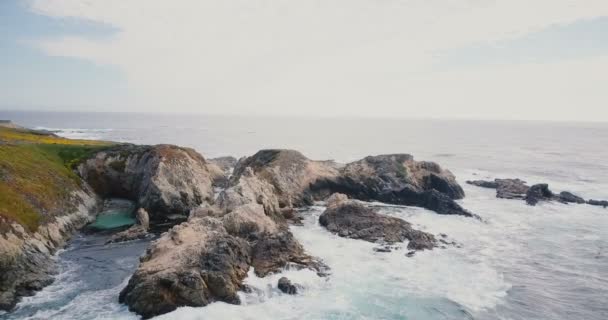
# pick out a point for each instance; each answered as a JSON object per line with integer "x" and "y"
{"x": 36, "y": 174}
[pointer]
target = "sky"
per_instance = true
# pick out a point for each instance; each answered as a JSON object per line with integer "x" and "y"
{"x": 473, "y": 59}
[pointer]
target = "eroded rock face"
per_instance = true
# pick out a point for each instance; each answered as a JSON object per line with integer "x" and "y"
{"x": 206, "y": 258}
{"x": 250, "y": 189}
{"x": 163, "y": 179}
{"x": 26, "y": 263}
{"x": 289, "y": 172}
{"x": 351, "y": 219}
{"x": 193, "y": 264}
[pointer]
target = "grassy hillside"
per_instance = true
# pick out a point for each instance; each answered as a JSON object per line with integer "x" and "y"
{"x": 36, "y": 174}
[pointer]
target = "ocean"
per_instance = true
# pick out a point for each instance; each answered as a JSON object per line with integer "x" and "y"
{"x": 519, "y": 262}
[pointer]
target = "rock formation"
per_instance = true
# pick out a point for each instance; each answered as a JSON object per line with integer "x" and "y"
{"x": 351, "y": 219}
{"x": 289, "y": 172}
{"x": 165, "y": 180}
{"x": 505, "y": 188}
{"x": 285, "y": 286}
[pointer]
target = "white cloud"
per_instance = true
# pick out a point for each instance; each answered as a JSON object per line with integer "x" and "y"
{"x": 332, "y": 57}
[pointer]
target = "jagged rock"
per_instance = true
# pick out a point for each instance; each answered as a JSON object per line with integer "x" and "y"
{"x": 249, "y": 222}
{"x": 165, "y": 180}
{"x": 286, "y": 287}
{"x": 251, "y": 189}
{"x": 222, "y": 169}
{"x": 538, "y": 192}
{"x": 274, "y": 252}
{"x": 193, "y": 264}
{"x": 351, "y": 219}
{"x": 601, "y": 203}
{"x": 397, "y": 179}
{"x": 568, "y": 197}
{"x": 206, "y": 259}
{"x": 289, "y": 172}
{"x": 505, "y": 188}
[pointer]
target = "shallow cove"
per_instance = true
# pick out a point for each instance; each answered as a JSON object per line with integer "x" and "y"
{"x": 116, "y": 213}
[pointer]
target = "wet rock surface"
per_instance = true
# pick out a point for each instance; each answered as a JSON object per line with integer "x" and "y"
{"x": 505, "y": 188}
{"x": 351, "y": 219}
{"x": 285, "y": 286}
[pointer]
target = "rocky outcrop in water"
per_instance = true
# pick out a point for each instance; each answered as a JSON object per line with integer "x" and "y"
{"x": 505, "y": 188}
{"x": 165, "y": 180}
{"x": 396, "y": 179}
{"x": 351, "y": 219}
{"x": 517, "y": 189}
{"x": 285, "y": 286}
{"x": 207, "y": 258}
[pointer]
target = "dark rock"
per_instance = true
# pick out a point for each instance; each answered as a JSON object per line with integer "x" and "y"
{"x": 569, "y": 197}
{"x": 286, "y": 287}
{"x": 410, "y": 254}
{"x": 397, "y": 179}
{"x": 505, "y": 188}
{"x": 382, "y": 249}
{"x": 538, "y": 192}
{"x": 351, "y": 219}
{"x": 432, "y": 200}
{"x": 601, "y": 203}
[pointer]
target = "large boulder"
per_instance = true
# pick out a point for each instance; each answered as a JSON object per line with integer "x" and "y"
{"x": 193, "y": 264}
{"x": 165, "y": 180}
{"x": 569, "y": 197}
{"x": 351, "y": 219}
{"x": 289, "y": 172}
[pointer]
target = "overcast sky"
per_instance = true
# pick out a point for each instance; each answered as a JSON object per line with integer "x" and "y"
{"x": 488, "y": 59}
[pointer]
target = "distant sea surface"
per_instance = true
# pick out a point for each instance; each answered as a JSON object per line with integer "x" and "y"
{"x": 544, "y": 262}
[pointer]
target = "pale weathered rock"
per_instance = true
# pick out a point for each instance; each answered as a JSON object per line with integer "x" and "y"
{"x": 249, "y": 222}
{"x": 163, "y": 179}
{"x": 289, "y": 172}
{"x": 351, "y": 219}
{"x": 193, "y": 264}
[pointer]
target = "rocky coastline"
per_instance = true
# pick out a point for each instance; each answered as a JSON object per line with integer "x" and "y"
{"x": 225, "y": 217}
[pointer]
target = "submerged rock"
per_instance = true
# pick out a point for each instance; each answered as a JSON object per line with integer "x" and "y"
{"x": 350, "y": 219}
{"x": 163, "y": 179}
{"x": 286, "y": 287}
